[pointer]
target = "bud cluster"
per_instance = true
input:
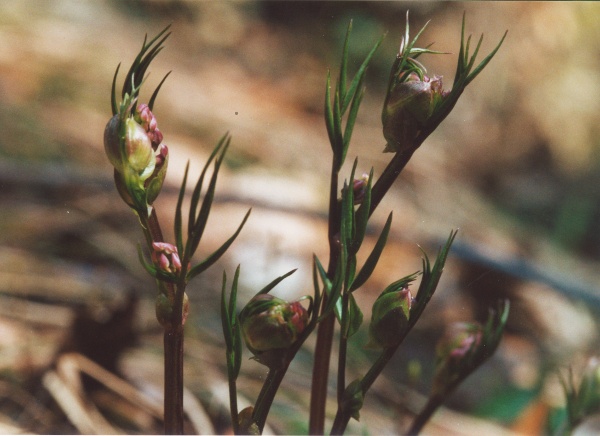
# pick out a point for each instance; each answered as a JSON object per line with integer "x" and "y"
{"x": 165, "y": 257}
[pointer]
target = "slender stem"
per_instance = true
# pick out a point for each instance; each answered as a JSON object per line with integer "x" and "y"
{"x": 172, "y": 339}
{"x": 173, "y": 401}
{"x": 267, "y": 394}
{"x": 389, "y": 175}
{"x": 343, "y": 415}
{"x": 324, "y": 343}
{"x": 233, "y": 406}
{"x": 421, "y": 419}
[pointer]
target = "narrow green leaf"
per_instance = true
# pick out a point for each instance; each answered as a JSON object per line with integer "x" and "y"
{"x": 225, "y": 318}
{"x": 135, "y": 74}
{"x": 237, "y": 347}
{"x": 430, "y": 280}
{"x": 202, "y": 219}
{"x": 275, "y": 282}
{"x": 155, "y": 93}
{"x": 333, "y": 298}
{"x": 329, "y": 113}
{"x": 347, "y": 215}
{"x": 210, "y": 260}
{"x": 233, "y": 298}
{"x": 344, "y": 65}
{"x": 369, "y": 266}
{"x": 354, "y": 85}
{"x": 355, "y": 316}
{"x": 484, "y": 63}
{"x": 316, "y": 286}
{"x": 337, "y": 131}
{"x": 178, "y": 220}
{"x": 113, "y": 92}
{"x": 326, "y": 282}
{"x": 198, "y": 188}
{"x": 352, "y": 119}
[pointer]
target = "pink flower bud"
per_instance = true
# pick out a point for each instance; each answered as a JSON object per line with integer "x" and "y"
{"x": 165, "y": 257}
{"x": 148, "y": 121}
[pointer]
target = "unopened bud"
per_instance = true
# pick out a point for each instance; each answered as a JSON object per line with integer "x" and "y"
{"x": 408, "y": 108}
{"x": 389, "y": 318}
{"x": 455, "y": 354}
{"x": 270, "y": 323}
{"x": 155, "y": 182}
{"x": 359, "y": 187}
{"x": 146, "y": 118}
{"x": 165, "y": 257}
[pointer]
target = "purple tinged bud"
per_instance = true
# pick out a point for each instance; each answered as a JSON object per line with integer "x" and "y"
{"x": 459, "y": 340}
{"x": 456, "y": 355}
{"x": 270, "y": 323}
{"x": 389, "y": 318}
{"x": 359, "y": 186}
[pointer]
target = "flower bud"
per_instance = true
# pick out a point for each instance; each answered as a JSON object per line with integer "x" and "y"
{"x": 389, "y": 318}
{"x": 146, "y": 118}
{"x": 359, "y": 186}
{"x": 270, "y": 323}
{"x": 155, "y": 182}
{"x": 165, "y": 257}
{"x": 408, "y": 108}
{"x": 129, "y": 148}
{"x": 455, "y": 354}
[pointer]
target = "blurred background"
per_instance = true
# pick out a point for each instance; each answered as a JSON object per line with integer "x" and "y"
{"x": 515, "y": 167}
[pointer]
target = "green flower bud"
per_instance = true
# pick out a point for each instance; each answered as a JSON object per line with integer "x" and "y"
{"x": 138, "y": 149}
{"x": 270, "y": 323}
{"x": 128, "y": 147}
{"x": 409, "y": 106}
{"x": 389, "y": 318}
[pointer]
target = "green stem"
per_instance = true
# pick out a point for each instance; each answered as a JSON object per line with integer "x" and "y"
{"x": 233, "y": 406}
{"x": 267, "y": 394}
{"x": 343, "y": 416}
